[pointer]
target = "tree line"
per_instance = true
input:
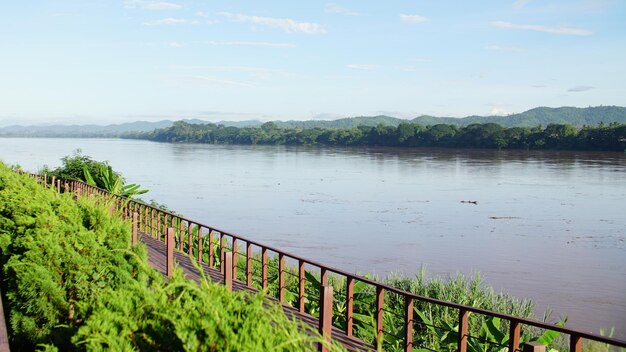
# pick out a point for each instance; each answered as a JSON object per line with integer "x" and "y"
{"x": 610, "y": 137}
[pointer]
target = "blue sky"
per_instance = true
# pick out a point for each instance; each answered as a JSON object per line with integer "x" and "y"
{"x": 103, "y": 61}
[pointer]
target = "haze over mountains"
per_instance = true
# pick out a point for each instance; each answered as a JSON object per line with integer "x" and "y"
{"x": 540, "y": 116}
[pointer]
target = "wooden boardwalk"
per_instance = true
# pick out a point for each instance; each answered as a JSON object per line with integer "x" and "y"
{"x": 157, "y": 259}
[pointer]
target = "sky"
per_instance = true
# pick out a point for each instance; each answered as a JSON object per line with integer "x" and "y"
{"x": 111, "y": 61}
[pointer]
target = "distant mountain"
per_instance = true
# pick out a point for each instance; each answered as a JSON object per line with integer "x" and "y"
{"x": 240, "y": 124}
{"x": 541, "y": 116}
{"x": 100, "y": 131}
{"x": 348, "y": 122}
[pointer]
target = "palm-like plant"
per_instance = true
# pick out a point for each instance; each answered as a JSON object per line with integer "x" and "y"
{"x": 110, "y": 181}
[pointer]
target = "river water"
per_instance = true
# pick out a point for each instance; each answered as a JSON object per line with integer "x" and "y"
{"x": 550, "y": 226}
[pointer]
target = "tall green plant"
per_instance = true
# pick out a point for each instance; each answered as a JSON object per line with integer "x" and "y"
{"x": 112, "y": 182}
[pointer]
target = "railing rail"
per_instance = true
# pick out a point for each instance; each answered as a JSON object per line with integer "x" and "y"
{"x": 156, "y": 222}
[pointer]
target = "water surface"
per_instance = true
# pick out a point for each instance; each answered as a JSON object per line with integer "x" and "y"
{"x": 548, "y": 225}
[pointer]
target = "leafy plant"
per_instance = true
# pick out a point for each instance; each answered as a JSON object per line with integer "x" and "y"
{"x": 112, "y": 182}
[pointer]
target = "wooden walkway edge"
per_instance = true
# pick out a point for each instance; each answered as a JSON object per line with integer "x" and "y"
{"x": 4, "y": 336}
{"x": 157, "y": 257}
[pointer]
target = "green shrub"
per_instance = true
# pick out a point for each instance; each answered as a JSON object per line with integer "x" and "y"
{"x": 72, "y": 282}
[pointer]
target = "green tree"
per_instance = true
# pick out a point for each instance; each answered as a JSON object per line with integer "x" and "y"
{"x": 440, "y": 135}
{"x": 559, "y": 136}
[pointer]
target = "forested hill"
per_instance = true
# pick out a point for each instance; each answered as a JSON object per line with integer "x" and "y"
{"x": 541, "y": 116}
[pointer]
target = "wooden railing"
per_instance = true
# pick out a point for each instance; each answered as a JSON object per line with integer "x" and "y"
{"x": 192, "y": 238}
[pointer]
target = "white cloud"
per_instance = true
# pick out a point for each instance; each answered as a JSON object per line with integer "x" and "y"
{"x": 518, "y": 4}
{"x": 176, "y": 44}
{"x": 495, "y": 111}
{"x": 151, "y": 5}
{"x": 166, "y": 22}
{"x": 224, "y": 68}
{"x": 254, "y": 73}
{"x": 286, "y": 24}
{"x": 208, "y": 81}
{"x": 412, "y": 18}
{"x": 499, "y": 109}
{"x": 334, "y": 8}
{"x": 511, "y": 49}
{"x": 253, "y": 43}
{"x": 362, "y": 66}
{"x": 565, "y": 30}
{"x": 580, "y": 88}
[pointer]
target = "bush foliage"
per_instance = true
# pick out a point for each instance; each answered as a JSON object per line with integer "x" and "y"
{"x": 71, "y": 281}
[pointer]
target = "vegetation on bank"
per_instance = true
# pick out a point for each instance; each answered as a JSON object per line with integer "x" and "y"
{"x": 492, "y": 136}
{"x": 96, "y": 173}
{"x": 72, "y": 282}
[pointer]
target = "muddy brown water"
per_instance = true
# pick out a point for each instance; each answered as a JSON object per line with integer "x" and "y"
{"x": 550, "y": 226}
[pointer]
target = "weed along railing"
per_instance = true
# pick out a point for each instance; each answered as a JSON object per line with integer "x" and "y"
{"x": 365, "y": 310}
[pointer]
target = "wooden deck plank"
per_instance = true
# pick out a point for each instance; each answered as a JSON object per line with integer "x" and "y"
{"x": 157, "y": 258}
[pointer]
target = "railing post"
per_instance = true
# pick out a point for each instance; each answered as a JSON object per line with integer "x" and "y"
{"x": 301, "y": 286}
{"x": 222, "y": 244}
{"x": 170, "y": 243}
{"x": 323, "y": 276}
{"x": 211, "y": 251}
{"x": 53, "y": 182}
{"x": 190, "y": 237}
{"x": 575, "y": 343}
{"x": 349, "y": 305}
{"x": 152, "y": 220}
{"x": 141, "y": 225}
{"x": 234, "y": 258}
{"x": 158, "y": 218}
{"x": 281, "y": 278}
{"x": 227, "y": 265}
{"x": 181, "y": 235}
{"x": 58, "y": 186}
{"x": 249, "y": 264}
{"x": 326, "y": 316}
{"x": 534, "y": 347}
{"x": 514, "y": 332}
{"x": 200, "y": 244}
{"x": 264, "y": 268}
{"x": 380, "y": 303}
{"x": 408, "y": 323}
{"x": 145, "y": 217}
{"x": 462, "y": 338}
{"x": 134, "y": 231}
{"x": 164, "y": 225}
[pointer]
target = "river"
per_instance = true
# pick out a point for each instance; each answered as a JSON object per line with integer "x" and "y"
{"x": 550, "y": 226}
